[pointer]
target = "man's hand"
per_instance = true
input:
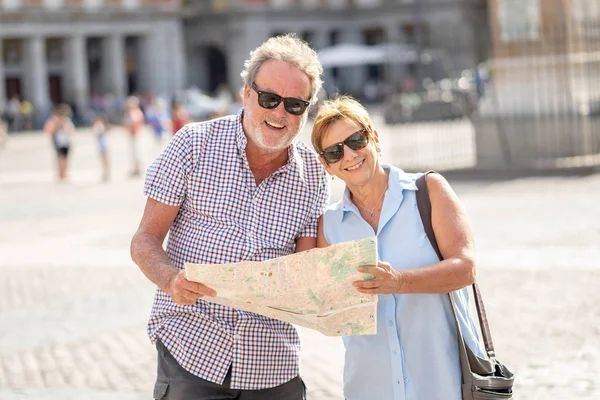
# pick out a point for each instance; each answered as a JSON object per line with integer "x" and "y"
{"x": 387, "y": 280}
{"x": 184, "y": 292}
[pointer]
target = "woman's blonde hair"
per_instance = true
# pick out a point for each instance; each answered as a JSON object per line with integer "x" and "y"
{"x": 343, "y": 108}
{"x": 290, "y": 49}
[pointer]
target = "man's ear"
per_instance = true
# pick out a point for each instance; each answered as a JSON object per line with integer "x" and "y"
{"x": 246, "y": 92}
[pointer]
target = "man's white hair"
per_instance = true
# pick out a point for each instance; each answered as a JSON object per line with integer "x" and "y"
{"x": 290, "y": 49}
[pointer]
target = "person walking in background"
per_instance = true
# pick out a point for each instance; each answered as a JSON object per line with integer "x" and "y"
{"x": 134, "y": 122}
{"x": 414, "y": 354}
{"x": 157, "y": 117}
{"x": 27, "y": 114}
{"x": 60, "y": 128}
{"x": 237, "y": 188}
{"x": 100, "y": 128}
{"x": 3, "y": 131}
{"x": 13, "y": 114}
{"x": 179, "y": 117}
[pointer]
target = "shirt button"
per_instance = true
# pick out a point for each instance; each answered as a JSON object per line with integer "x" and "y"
{"x": 406, "y": 381}
{"x": 391, "y": 323}
{"x": 236, "y": 337}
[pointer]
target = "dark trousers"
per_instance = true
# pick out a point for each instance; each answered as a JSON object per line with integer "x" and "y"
{"x": 175, "y": 383}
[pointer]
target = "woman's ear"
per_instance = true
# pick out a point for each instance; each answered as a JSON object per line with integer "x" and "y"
{"x": 376, "y": 135}
{"x": 376, "y": 141}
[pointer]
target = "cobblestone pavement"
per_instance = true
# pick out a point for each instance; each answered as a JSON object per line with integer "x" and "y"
{"x": 73, "y": 307}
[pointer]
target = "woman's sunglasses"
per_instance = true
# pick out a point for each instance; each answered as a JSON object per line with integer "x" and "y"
{"x": 334, "y": 153}
{"x": 271, "y": 100}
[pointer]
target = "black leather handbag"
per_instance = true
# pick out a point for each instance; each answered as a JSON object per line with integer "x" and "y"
{"x": 482, "y": 379}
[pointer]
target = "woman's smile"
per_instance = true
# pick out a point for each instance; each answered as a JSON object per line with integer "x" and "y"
{"x": 355, "y": 166}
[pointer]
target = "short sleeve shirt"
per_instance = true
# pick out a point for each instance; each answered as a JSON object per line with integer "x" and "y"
{"x": 225, "y": 217}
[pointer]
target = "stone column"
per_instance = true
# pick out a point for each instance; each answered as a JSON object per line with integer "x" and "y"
{"x": 35, "y": 82}
{"x": 243, "y": 37}
{"x": 2, "y": 78}
{"x": 114, "y": 69}
{"x": 162, "y": 59}
{"x": 76, "y": 76}
{"x": 393, "y": 71}
{"x": 353, "y": 79}
{"x": 178, "y": 55}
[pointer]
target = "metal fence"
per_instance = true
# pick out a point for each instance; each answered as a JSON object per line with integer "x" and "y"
{"x": 533, "y": 104}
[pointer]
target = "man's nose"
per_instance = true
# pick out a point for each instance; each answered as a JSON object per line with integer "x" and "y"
{"x": 279, "y": 111}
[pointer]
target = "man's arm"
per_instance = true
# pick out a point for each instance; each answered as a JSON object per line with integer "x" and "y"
{"x": 305, "y": 243}
{"x": 147, "y": 252}
{"x": 321, "y": 241}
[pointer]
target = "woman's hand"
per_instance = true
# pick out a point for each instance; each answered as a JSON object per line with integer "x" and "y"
{"x": 387, "y": 280}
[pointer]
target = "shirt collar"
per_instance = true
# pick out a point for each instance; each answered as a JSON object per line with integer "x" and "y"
{"x": 398, "y": 181}
{"x": 294, "y": 159}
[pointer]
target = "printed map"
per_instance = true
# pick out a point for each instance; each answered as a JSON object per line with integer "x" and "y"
{"x": 312, "y": 289}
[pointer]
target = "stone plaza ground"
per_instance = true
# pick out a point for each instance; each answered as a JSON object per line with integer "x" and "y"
{"x": 73, "y": 307}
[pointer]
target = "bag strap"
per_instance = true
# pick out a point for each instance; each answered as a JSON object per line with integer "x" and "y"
{"x": 424, "y": 205}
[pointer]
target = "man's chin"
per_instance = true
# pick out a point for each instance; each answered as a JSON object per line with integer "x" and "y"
{"x": 271, "y": 146}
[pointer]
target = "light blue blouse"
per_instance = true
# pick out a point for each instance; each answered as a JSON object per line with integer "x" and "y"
{"x": 414, "y": 355}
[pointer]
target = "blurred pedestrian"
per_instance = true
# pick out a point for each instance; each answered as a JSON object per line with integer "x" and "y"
{"x": 13, "y": 114}
{"x": 26, "y": 114}
{"x": 179, "y": 117}
{"x": 100, "y": 127}
{"x": 134, "y": 122}
{"x": 3, "y": 132}
{"x": 60, "y": 128}
{"x": 198, "y": 191}
{"x": 157, "y": 116}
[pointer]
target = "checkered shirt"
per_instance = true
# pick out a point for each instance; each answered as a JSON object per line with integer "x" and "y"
{"x": 224, "y": 217}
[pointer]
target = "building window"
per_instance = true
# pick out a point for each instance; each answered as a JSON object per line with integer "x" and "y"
{"x": 10, "y": 4}
{"x": 12, "y": 51}
{"x": 334, "y": 37}
{"x": 416, "y": 34}
{"x": 53, "y": 3}
{"x": 586, "y": 15}
{"x": 54, "y": 50}
{"x": 373, "y": 36}
{"x": 519, "y": 19}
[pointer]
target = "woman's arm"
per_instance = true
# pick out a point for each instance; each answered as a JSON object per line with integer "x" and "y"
{"x": 454, "y": 235}
{"x": 321, "y": 241}
{"x": 50, "y": 126}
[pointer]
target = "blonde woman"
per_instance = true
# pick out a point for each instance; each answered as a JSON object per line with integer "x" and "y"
{"x": 414, "y": 354}
{"x": 61, "y": 129}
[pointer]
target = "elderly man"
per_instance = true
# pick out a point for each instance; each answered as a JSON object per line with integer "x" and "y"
{"x": 228, "y": 190}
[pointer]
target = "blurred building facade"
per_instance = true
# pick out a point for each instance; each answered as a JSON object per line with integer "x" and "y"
{"x": 542, "y": 108}
{"x": 220, "y": 33}
{"x": 56, "y": 51}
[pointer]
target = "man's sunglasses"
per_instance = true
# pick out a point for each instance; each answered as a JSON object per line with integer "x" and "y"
{"x": 270, "y": 100}
{"x": 334, "y": 153}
